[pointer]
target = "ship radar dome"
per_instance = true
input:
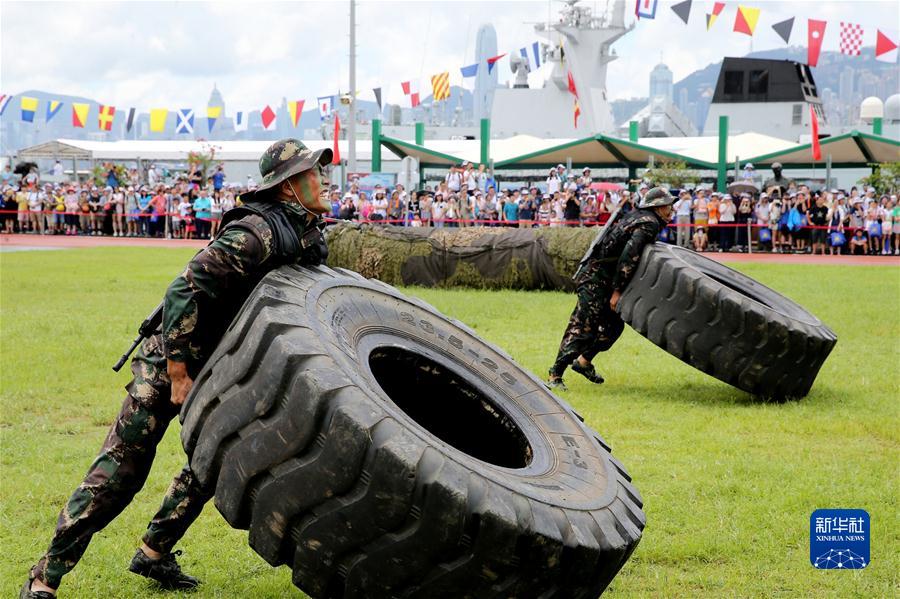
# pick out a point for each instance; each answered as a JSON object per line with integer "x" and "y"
{"x": 871, "y": 108}
{"x": 892, "y": 109}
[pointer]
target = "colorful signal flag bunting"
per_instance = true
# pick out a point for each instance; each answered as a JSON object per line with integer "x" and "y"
{"x": 377, "y": 92}
{"x": 80, "y": 114}
{"x": 29, "y": 107}
{"x": 295, "y": 110}
{"x": 784, "y": 28}
{"x": 212, "y": 115}
{"x": 129, "y": 122}
{"x": 53, "y": 107}
{"x": 240, "y": 122}
{"x": 469, "y": 70}
{"x": 683, "y": 10}
{"x": 493, "y": 60}
{"x": 645, "y": 9}
{"x": 716, "y": 11}
{"x": 326, "y": 106}
{"x": 745, "y": 20}
{"x": 815, "y": 33}
{"x": 268, "y": 118}
{"x": 851, "y": 38}
{"x": 4, "y": 102}
{"x": 536, "y": 50}
{"x": 158, "y": 118}
{"x": 185, "y": 118}
{"x": 885, "y": 48}
{"x": 440, "y": 86}
{"x": 105, "y": 117}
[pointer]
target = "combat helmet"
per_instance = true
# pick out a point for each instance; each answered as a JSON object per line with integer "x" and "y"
{"x": 658, "y": 196}
{"x": 287, "y": 157}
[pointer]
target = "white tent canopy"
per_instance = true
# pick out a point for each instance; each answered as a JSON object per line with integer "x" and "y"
{"x": 225, "y": 151}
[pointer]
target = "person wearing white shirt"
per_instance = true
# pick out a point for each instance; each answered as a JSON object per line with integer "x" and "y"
{"x": 553, "y": 182}
{"x": 683, "y": 219}
{"x": 454, "y": 179}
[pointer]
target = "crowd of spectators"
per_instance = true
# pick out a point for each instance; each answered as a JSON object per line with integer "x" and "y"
{"x": 792, "y": 218}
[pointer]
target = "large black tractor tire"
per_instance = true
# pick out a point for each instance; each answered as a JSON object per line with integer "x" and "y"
{"x": 383, "y": 450}
{"x": 724, "y": 323}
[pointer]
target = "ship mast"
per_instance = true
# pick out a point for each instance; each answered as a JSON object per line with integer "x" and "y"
{"x": 351, "y": 112}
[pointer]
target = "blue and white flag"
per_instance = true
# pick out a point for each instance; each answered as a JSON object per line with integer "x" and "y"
{"x": 326, "y": 106}
{"x": 185, "y": 118}
{"x": 240, "y": 122}
{"x": 536, "y": 49}
{"x": 469, "y": 71}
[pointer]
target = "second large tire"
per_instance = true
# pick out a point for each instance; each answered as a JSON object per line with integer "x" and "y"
{"x": 383, "y": 450}
{"x": 724, "y": 323}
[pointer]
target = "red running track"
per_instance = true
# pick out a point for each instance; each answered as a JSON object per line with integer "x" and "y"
{"x": 69, "y": 242}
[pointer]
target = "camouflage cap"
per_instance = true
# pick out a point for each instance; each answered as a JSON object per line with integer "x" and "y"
{"x": 287, "y": 157}
{"x": 658, "y": 196}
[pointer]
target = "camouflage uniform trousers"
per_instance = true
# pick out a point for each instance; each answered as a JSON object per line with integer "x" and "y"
{"x": 593, "y": 326}
{"x": 121, "y": 469}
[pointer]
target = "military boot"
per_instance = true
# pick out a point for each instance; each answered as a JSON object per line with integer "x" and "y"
{"x": 555, "y": 383}
{"x": 588, "y": 372}
{"x": 164, "y": 570}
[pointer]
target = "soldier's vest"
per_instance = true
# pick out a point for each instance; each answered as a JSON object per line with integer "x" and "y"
{"x": 287, "y": 245}
{"x": 603, "y": 265}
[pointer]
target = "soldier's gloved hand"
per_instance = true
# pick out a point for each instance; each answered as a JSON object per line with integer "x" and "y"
{"x": 614, "y": 300}
{"x": 181, "y": 382}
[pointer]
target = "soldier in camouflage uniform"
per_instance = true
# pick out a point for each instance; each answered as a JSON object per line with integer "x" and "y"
{"x": 595, "y": 325}
{"x": 276, "y": 225}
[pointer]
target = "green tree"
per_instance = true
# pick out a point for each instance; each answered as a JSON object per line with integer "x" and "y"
{"x": 885, "y": 178}
{"x": 672, "y": 174}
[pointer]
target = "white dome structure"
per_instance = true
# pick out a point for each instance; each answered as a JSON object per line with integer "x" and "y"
{"x": 871, "y": 108}
{"x": 892, "y": 109}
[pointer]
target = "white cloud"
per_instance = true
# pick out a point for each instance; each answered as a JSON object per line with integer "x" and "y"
{"x": 171, "y": 53}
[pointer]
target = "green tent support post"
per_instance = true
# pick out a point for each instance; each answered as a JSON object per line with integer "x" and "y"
{"x": 722, "y": 168}
{"x": 877, "y": 124}
{"x": 632, "y": 131}
{"x": 632, "y": 170}
{"x": 420, "y": 141}
{"x": 376, "y": 145}
{"x": 485, "y": 137}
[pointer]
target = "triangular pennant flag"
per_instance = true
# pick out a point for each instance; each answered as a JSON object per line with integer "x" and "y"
{"x": 405, "y": 86}
{"x": 268, "y": 118}
{"x": 440, "y": 86}
{"x": 469, "y": 71}
{"x": 29, "y": 107}
{"x": 129, "y": 122}
{"x": 536, "y": 50}
{"x": 295, "y": 110}
{"x": 716, "y": 11}
{"x": 572, "y": 89}
{"x": 212, "y": 115}
{"x": 645, "y": 9}
{"x": 53, "y": 107}
{"x": 240, "y": 122}
{"x": 784, "y": 28}
{"x": 885, "y": 48}
{"x": 746, "y": 19}
{"x": 814, "y": 123}
{"x": 105, "y": 117}
{"x": 815, "y": 33}
{"x": 336, "y": 151}
{"x": 493, "y": 60}
{"x": 377, "y": 92}
{"x": 185, "y": 118}
{"x": 80, "y": 114}
{"x": 4, "y": 102}
{"x": 326, "y": 105}
{"x": 158, "y": 118}
{"x": 683, "y": 10}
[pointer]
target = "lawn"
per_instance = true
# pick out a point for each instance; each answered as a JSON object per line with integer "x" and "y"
{"x": 728, "y": 483}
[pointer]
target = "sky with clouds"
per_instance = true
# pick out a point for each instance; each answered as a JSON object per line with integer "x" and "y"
{"x": 147, "y": 54}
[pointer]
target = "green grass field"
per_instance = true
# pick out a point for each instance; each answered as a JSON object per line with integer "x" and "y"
{"x": 729, "y": 484}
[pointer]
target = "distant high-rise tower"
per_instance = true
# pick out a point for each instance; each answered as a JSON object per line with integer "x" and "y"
{"x": 661, "y": 82}
{"x": 485, "y": 83}
{"x": 215, "y": 99}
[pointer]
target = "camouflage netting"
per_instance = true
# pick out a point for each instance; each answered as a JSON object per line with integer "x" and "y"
{"x": 479, "y": 257}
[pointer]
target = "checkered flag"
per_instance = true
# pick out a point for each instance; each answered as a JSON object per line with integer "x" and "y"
{"x": 851, "y": 38}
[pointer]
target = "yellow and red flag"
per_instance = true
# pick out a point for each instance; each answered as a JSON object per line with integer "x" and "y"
{"x": 295, "y": 110}
{"x": 79, "y": 114}
{"x": 746, "y": 19}
{"x": 577, "y": 112}
{"x": 105, "y": 117}
{"x": 440, "y": 86}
